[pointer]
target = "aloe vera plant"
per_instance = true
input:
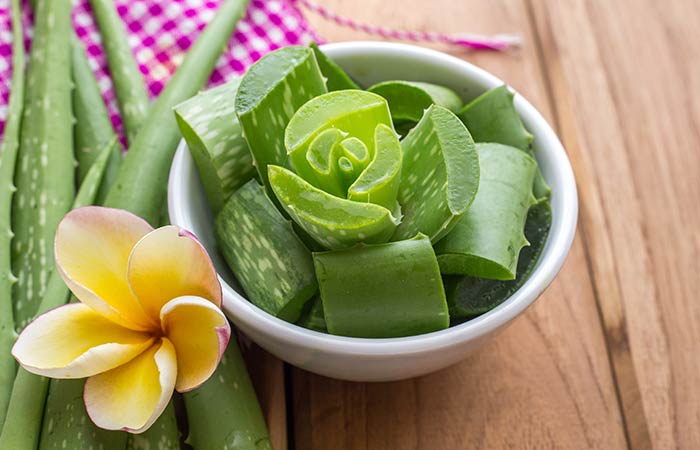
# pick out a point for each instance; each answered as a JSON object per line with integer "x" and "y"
{"x": 209, "y": 124}
{"x": 129, "y": 85}
{"x": 8, "y": 159}
{"x": 360, "y": 287}
{"x": 409, "y": 99}
{"x": 313, "y": 317}
{"x": 487, "y": 240}
{"x": 45, "y": 168}
{"x": 336, "y": 78}
{"x": 271, "y": 263}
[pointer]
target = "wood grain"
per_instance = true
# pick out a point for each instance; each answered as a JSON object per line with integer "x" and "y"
{"x": 546, "y": 382}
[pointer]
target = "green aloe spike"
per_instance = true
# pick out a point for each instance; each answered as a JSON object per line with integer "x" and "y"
{"x": 487, "y": 240}
{"x": 8, "y": 158}
{"x": 270, "y": 93}
{"x": 224, "y": 413}
{"x": 26, "y": 407}
{"x": 440, "y": 175}
{"x": 492, "y": 117}
{"x": 409, "y": 99}
{"x": 468, "y": 297}
{"x": 140, "y": 184}
{"x": 363, "y": 287}
{"x": 44, "y": 176}
{"x": 336, "y": 78}
{"x": 271, "y": 263}
{"x": 129, "y": 85}
{"x": 209, "y": 124}
{"x": 93, "y": 129}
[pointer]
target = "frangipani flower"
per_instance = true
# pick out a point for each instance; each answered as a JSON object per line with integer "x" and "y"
{"x": 149, "y": 320}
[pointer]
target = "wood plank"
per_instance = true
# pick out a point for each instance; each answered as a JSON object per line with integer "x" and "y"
{"x": 625, "y": 78}
{"x": 545, "y": 382}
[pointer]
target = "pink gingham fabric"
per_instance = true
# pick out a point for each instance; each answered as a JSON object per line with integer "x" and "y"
{"x": 160, "y": 33}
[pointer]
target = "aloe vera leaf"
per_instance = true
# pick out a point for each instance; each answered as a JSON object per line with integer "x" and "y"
{"x": 336, "y": 78}
{"x": 163, "y": 434}
{"x": 333, "y": 222}
{"x": 141, "y": 182}
{"x": 44, "y": 175}
{"x": 8, "y": 159}
{"x": 209, "y": 124}
{"x": 270, "y": 93}
{"x": 382, "y": 291}
{"x": 409, "y": 99}
{"x": 312, "y": 317}
{"x": 440, "y": 175}
{"x": 224, "y": 412}
{"x": 271, "y": 263}
{"x": 353, "y": 113}
{"x": 468, "y": 297}
{"x": 492, "y": 117}
{"x": 487, "y": 240}
{"x": 129, "y": 85}
{"x": 26, "y": 406}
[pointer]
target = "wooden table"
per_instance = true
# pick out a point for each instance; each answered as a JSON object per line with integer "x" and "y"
{"x": 609, "y": 357}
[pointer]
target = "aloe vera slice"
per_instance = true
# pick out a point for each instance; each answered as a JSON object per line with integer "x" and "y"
{"x": 492, "y": 117}
{"x": 409, "y": 99}
{"x": 487, "y": 240}
{"x": 271, "y": 263}
{"x": 336, "y": 78}
{"x": 468, "y": 297}
{"x": 382, "y": 291}
{"x": 312, "y": 317}
{"x": 333, "y": 222}
{"x": 440, "y": 175}
{"x": 270, "y": 93}
{"x": 209, "y": 124}
{"x": 224, "y": 412}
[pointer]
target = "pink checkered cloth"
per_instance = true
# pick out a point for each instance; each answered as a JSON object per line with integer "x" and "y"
{"x": 160, "y": 32}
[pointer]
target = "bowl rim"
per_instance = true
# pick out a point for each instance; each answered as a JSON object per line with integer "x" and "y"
{"x": 239, "y": 309}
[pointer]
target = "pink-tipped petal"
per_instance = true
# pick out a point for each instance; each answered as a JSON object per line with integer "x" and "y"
{"x": 133, "y": 396}
{"x": 200, "y": 332}
{"x": 168, "y": 263}
{"x": 92, "y": 249}
{"x": 74, "y": 341}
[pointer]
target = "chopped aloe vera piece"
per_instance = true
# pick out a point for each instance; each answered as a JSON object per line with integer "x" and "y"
{"x": 269, "y": 260}
{"x": 492, "y": 117}
{"x": 468, "y": 297}
{"x": 409, "y": 99}
{"x": 336, "y": 78}
{"x": 312, "y": 317}
{"x": 440, "y": 175}
{"x": 382, "y": 291}
{"x": 209, "y": 124}
{"x": 270, "y": 93}
{"x": 333, "y": 222}
{"x": 487, "y": 240}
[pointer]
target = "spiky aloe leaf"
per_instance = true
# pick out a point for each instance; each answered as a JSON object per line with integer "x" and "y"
{"x": 140, "y": 184}
{"x": 468, "y": 297}
{"x": 224, "y": 412}
{"x": 332, "y": 221}
{"x": 129, "y": 85}
{"x": 409, "y": 99}
{"x": 26, "y": 407}
{"x": 313, "y": 318}
{"x": 93, "y": 129}
{"x": 492, "y": 117}
{"x": 209, "y": 124}
{"x": 45, "y": 172}
{"x": 336, "y": 78}
{"x": 487, "y": 240}
{"x": 382, "y": 291}
{"x": 8, "y": 159}
{"x": 440, "y": 175}
{"x": 271, "y": 263}
{"x": 270, "y": 93}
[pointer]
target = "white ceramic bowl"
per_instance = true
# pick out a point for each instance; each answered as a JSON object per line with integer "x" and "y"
{"x": 398, "y": 358}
